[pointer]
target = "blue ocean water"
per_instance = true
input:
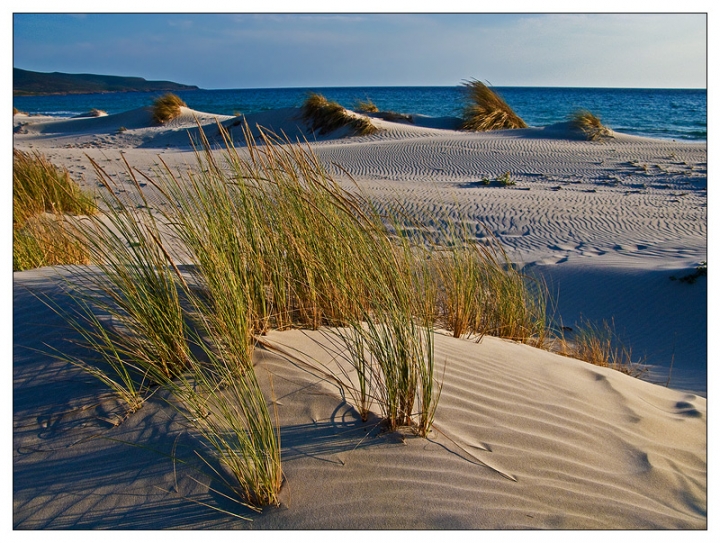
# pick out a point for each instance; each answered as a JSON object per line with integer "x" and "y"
{"x": 679, "y": 114}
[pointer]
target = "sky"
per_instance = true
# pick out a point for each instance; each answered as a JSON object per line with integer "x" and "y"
{"x": 251, "y": 50}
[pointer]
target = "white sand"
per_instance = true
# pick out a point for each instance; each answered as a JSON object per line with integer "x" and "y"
{"x": 606, "y": 223}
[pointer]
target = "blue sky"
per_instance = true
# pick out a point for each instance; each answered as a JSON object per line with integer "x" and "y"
{"x": 294, "y": 50}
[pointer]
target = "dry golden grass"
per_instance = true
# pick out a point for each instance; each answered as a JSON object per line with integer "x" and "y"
{"x": 599, "y": 345}
{"x": 325, "y": 117}
{"x": 486, "y": 110}
{"x": 590, "y": 124}
{"x": 366, "y": 106}
{"x": 166, "y": 108}
{"x": 42, "y": 196}
{"x": 46, "y": 240}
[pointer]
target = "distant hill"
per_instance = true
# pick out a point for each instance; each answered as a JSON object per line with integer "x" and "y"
{"x": 26, "y": 82}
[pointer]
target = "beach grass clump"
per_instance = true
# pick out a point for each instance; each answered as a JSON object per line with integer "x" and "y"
{"x": 44, "y": 240}
{"x": 280, "y": 226}
{"x": 600, "y": 345}
{"x": 480, "y": 292}
{"x": 691, "y": 278}
{"x": 152, "y": 327}
{"x": 166, "y": 108}
{"x": 38, "y": 186}
{"x": 391, "y": 342}
{"x": 43, "y": 199}
{"x": 393, "y": 355}
{"x": 276, "y": 237}
{"x": 486, "y": 110}
{"x": 229, "y": 412}
{"x": 590, "y": 125}
{"x": 506, "y": 180}
{"x": 366, "y": 106}
{"x": 325, "y": 116}
{"x": 134, "y": 286}
{"x": 275, "y": 242}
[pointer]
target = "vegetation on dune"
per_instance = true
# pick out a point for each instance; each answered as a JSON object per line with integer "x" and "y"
{"x": 166, "y": 108}
{"x": 277, "y": 243}
{"x": 590, "y": 124}
{"x": 486, "y": 110}
{"x": 325, "y": 117}
{"x": 691, "y": 278}
{"x": 43, "y": 197}
{"x": 600, "y": 346}
{"x": 366, "y": 106}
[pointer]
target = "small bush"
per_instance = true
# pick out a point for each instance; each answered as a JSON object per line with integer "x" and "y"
{"x": 690, "y": 278}
{"x": 325, "y": 117}
{"x": 166, "y": 108}
{"x": 486, "y": 110}
{"x": 590, "y": 125}
{"x": 506, "y": 180}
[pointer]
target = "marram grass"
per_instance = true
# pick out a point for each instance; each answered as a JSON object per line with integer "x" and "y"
{"x": 44, "y": 198}
{"x": 324, "y": 117}
{"x": 166, "y": 108}
{"x": 590, "y": 125}
{"x": 38, "y": 186}
{"x": 275, "y": 242}
{"x": 366, "y": 106}
{"x": 599, "y": 345}
{"x": 486, "y": 110}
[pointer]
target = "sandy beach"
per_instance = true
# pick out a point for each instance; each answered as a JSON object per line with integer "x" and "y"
{"x": 523, "y": 438}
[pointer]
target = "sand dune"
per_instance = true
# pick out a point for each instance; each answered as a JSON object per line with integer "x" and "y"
{"x": 524, "y": 438}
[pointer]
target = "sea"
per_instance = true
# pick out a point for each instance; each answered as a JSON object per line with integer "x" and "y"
{"x": 675, "y": 114}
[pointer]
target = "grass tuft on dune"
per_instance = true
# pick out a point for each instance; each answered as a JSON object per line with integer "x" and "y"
{"x": 600, "y": 346}
{"x": 366, "y": 106}
{"x": 590, "y": 124}
{"x": 166, "y": 108}
{"x": 324, "y": 117}
{"x": 486, "y": 110}
{"x": 43, "y": 197}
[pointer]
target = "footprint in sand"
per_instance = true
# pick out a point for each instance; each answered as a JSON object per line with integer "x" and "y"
{"x": 629, "y": 248}
{"x": 564, "y": 247}
{"x": 590, "y": 251}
